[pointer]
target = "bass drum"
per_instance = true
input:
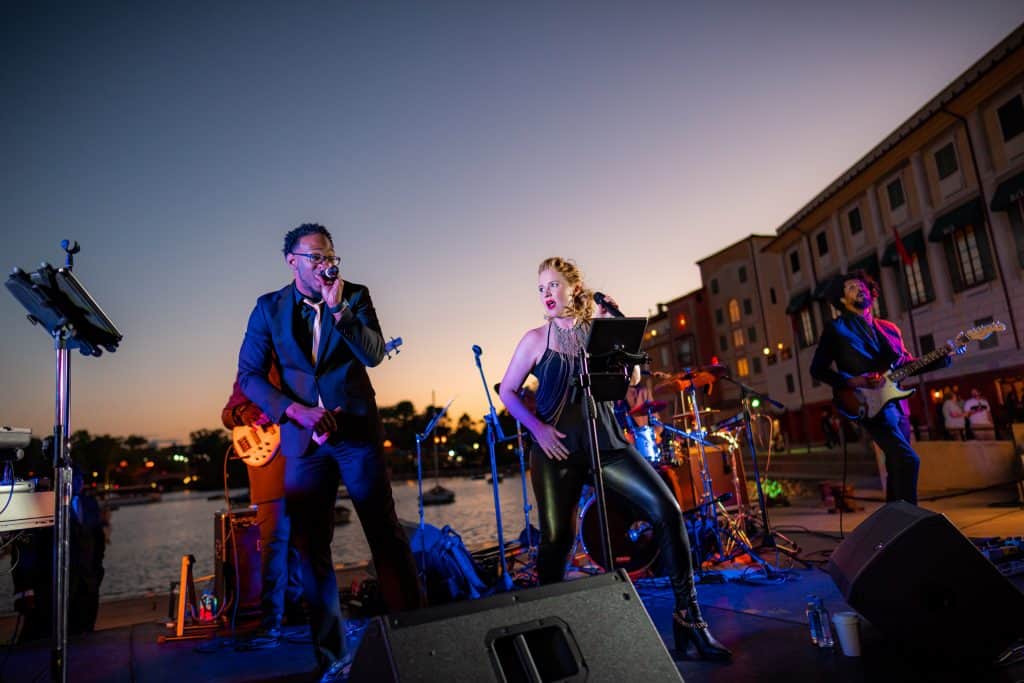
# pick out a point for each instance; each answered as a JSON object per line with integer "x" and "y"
{"x": 631, "y": 536}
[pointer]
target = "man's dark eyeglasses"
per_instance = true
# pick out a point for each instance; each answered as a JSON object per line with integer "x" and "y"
{"x": 317, "y": 259}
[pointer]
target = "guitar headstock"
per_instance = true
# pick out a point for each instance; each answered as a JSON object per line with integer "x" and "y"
{"x": 980, "y": 332}
{"x": 392, "y": 345}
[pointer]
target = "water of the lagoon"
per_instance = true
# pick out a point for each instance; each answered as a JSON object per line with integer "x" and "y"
{"x": 148, "y": 541}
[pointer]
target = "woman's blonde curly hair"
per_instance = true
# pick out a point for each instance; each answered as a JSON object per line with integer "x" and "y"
{"x": 581, "y": 306}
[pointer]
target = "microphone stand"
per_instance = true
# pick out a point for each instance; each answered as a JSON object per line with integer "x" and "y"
{"x": 531, "y": 548}
{"x": 494, "y": 435}
{"x": 768, "y": 539}
{"x": 420, "y": 438}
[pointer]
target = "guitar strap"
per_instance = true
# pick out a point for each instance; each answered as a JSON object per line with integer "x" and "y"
{"x": 884, "y": 344}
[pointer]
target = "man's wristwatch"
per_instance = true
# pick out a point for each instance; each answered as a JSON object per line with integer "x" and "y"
{"x": 342, "y": 305}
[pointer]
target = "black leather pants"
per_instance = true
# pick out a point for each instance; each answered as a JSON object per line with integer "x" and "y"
{"x": 557, "y": 486}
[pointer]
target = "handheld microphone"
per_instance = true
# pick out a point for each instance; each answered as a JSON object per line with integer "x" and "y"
{"x": 331, "y": 273}
{"x": 601, "y": 300}
{"x": 477, "y": 350}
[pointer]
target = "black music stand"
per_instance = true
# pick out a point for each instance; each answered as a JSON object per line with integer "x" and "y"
{"x": 55, "y": 299}
{"x": 612, "y": 347}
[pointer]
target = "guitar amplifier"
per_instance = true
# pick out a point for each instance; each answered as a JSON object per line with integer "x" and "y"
{"x": 236, "y": 557}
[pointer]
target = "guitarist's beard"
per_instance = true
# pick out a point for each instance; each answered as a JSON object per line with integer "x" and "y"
{"x": 861, "y": 304}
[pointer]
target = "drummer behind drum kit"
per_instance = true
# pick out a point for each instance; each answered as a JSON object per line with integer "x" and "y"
{"x": 701, "y": 478}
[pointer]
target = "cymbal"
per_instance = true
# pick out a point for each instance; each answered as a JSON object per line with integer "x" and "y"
{"x": 677, "y": 384}
{"x": 700, "y": 376}
{"x": 689, "y": 415}
{"x": 653, "y": 406}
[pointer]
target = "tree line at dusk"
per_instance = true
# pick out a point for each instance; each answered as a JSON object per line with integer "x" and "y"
{"x": 108, "y": 461}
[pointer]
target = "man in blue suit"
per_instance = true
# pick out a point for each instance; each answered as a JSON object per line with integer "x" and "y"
{"x": 862, "y": 348}
{"x": 324, "y": 333}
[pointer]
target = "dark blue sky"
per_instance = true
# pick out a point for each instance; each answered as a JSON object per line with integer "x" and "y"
{"x": 448, "y": 146}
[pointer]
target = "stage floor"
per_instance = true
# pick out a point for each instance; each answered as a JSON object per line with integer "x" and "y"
{"x": 761, "y": 621}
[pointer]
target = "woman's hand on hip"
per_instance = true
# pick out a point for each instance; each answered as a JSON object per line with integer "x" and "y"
{"x": 550, "y": 441}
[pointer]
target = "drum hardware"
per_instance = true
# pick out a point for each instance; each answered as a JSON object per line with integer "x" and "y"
{"x": 730, "y": 530}
{"x": 689, "y": 415}
{"x": 703, "y": 498}
{"x": 736, "y": 525}
{"x": 734, "y": 422}
{"x": 769, "y": 538}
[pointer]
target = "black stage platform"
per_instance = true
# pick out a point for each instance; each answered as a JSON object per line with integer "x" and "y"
{"x": 761, "y": 621}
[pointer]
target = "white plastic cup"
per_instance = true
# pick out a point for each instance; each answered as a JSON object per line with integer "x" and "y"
{"x": 848, "y": 632}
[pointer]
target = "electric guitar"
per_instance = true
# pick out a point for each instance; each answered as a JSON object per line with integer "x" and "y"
{"x": 257, "y": 445}
{"x": 867, "y": 402}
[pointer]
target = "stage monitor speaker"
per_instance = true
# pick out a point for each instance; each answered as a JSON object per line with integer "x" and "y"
{"x": 921, "y": 582}
{"x": 236, "y": 535}
{"x": 591, "y": 629}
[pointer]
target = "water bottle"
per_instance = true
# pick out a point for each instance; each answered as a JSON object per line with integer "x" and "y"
{"x": 813, "y": 618}
{"x": 820, "y": 622}
{"x": 826, "y": 639}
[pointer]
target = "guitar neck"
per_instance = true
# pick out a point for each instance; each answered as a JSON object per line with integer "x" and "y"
{"x": 915, "y": 366}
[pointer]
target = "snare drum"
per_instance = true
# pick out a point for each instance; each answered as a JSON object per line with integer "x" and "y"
{"x": 646, "y": 442}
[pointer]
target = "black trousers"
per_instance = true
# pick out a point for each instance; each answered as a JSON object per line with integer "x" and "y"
{"x": 557, "y": 485}
{"x": 311, "y": 487}
{"x": 890, "y": 429}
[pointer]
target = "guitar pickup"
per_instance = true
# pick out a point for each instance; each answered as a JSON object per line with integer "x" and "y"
{"x": 244, "y": 445}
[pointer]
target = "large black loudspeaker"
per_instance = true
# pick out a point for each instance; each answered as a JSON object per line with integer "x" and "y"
{"x": 921, "y": 582}
{"x": 592, "y": 629}
{"x": 236, "y": 553}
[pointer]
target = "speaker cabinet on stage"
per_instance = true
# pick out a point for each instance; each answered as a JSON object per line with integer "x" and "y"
{"x": 593, "y": 629}
{"x": 236, "y": 536}
{"x": 920, "y": 581}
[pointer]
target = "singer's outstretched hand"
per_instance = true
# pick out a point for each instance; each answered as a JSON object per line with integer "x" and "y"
{"x": 550, "y": 441}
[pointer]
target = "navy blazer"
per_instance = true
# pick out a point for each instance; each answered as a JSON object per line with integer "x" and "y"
{"x": 339, "y": 378}
{"x": 845, "y": 343}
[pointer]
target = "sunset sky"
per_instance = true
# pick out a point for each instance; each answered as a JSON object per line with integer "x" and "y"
{"x": 449, "y": 146}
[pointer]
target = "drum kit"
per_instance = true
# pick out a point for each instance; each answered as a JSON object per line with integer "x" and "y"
{"x": 685, "y": 455}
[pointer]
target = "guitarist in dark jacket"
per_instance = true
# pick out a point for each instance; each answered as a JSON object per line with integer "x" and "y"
{"x": 863, "y": 347}
{"x": 281, "y": 580}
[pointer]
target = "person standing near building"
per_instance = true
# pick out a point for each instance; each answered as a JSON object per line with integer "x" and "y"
{"x": 979, "y": 414}
{"x": 953, "y": 416}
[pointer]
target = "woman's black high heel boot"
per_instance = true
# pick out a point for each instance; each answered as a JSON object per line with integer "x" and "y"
{"x": 688, "y": 627}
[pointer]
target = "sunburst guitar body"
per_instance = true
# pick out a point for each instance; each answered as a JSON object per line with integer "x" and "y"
{"x": 257, "y": 445}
